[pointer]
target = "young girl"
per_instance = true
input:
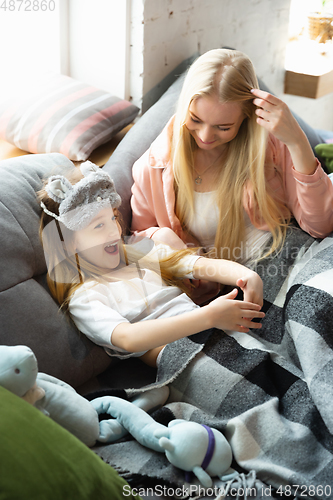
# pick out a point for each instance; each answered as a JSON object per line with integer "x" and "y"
{"x": 120, "y": 295}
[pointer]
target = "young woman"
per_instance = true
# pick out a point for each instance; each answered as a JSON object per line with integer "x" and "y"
{"x": 118, "y": 295}
{"x": 230, "y": 169}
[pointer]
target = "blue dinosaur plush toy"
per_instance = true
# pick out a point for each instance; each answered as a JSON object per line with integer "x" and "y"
{"x": 187, "y": 445}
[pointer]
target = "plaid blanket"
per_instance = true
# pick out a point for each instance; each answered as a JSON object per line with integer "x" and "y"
{"x": 270, "y": 391}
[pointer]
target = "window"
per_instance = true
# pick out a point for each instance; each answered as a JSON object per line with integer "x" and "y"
{"x": 85, "y": 39}
{"x": 29, "y": 40}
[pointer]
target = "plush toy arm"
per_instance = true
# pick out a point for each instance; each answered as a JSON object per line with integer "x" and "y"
{"x": 66, "y": 407}
{"x": 112, "y": 430}
{"x": 109, "y": 430}
{"x": 152, "y": 399}
{"x": 137, "y": 422}
{"x": 165, "y": 442}
{"x": 176, "y": 421}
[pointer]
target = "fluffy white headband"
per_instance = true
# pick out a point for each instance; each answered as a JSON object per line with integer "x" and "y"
{"x": 81, "y": 202}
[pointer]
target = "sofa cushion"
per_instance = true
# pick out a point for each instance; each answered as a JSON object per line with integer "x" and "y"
{"x": 28, "y": 314}
{"x": 41, "y": 460}
{"x": 55, "y": 113}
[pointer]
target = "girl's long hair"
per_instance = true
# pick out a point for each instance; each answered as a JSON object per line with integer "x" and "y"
{"x": 229, "y": 75}
{"x": 67, "y": 272}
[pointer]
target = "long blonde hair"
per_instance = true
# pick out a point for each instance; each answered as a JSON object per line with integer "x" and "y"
{"x": 66, "y": 272}
{"x": 229, "y": 75}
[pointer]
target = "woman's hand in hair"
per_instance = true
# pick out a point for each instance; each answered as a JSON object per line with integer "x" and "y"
{"x": 275, "y": 116}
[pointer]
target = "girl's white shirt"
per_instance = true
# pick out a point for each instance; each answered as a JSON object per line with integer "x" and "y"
{"x": 136, "y": 294}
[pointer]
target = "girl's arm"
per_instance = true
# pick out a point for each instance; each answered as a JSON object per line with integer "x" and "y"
{"x": 228, "y": 272}
{"x": 223, "y": 313}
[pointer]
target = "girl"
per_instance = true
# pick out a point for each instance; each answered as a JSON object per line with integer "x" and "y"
{"x": 231, "y": 168}
{"x": 118, "y": 295}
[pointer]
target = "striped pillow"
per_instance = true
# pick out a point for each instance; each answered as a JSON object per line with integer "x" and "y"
{"x": 58, "y": 114}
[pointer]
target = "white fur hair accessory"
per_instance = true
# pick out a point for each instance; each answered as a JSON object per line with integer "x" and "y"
{"x": 81, "y": 202}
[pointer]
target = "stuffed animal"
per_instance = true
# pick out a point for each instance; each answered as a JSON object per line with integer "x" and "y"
{"x": 187, "y": 445}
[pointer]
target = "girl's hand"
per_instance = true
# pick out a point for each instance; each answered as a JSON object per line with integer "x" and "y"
{"x": 275, "y": 116}
{"x": 252, "y": 288}
{"x": 226, "y": 313}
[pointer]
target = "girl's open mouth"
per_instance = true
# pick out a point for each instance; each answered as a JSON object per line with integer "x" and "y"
{"x": 112, "y": 248}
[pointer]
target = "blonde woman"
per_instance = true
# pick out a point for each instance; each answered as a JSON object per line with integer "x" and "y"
{"x": 231, "y": 168}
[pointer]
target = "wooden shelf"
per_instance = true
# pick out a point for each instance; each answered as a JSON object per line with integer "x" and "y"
{"x": 304, "y": 85}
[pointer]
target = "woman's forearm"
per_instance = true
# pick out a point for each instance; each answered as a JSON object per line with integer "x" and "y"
{"x": 302, "y": 155}
{"x": 226, "y": 272}
{"x": 232, "y": 273}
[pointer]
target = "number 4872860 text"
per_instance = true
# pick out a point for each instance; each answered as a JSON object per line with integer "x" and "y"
{"x": 27, "y": 5}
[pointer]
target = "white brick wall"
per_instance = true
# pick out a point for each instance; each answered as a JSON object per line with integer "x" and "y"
{"x": 174, "y": 30}
{"x": 317, "y": 112}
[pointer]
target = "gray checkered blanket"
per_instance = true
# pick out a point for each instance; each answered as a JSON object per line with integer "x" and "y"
{"x": 270, "y": 391}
